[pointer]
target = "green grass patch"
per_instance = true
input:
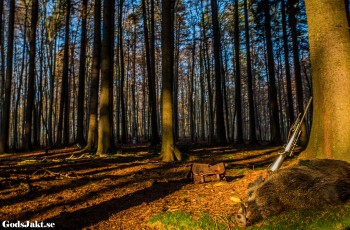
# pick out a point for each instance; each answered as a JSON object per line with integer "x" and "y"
{"x": 330, "y": 218}
{"x": 180, "y": 220}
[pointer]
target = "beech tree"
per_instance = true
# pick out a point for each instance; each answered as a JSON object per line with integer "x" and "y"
{"x": 104, "y": 124}
{"x": 169, "y": 152}
{"x": 220, "y": 124}
{"x": 329, "y": 39}
{"x": 95, "y": 74}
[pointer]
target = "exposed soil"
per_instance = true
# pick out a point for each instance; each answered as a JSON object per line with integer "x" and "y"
{"x": 77, "y": 190}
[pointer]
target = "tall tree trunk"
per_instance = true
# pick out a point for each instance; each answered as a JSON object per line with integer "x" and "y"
{"x": 96, "y": 57}
{"x": 297, "y": 69}
{"x": 274, "y": 118}
{"x": 7, "y": 103}
{"x": 286, "y": 61}
{"x": 177, "y": 35}
{"x": 155, "y": 133}
{"x": 104, "y": 125}
{"x": 2, "y": 62}
{"x": 238, "y": 99}
{"x": 330, "y": 49}
{"x": 191, "y": 88}
{"x": 150, "y": 65}
{"x": 81, "y": 93}
{"x": 64, "y": 99}
{"x": 52, "y": 69}
{"x": 202, "y": 89}
{"x": 252, "y": 125}
{"x": 208, "y": 71}
{"x": 347, "y": 9}
{"x": 31, "y": 80}
{"x": 220, "y": 122}
{"x": 169, "y": 152}
{"x": 122, "y": 75}
{"x": 133, "y": 87}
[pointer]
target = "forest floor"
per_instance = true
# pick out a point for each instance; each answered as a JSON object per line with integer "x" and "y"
{"x": 124, "y": 190}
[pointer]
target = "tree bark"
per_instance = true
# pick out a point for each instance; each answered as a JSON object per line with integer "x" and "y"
{"x": 330, "y": 50}
{"x": 64, "y": 87}
{"x": 169, "y": 152}
{"x": 150, "y": 66}
{"x": 220, "y": 122}
{"x": 274, "y": 118}
{"x": 7, "y": 103}
{"x": 2, "y": 62}
{"x": 252, "y": 125}
{"x": 287, "y": 66}
{"x": 95, "y": 75}
{"x": 297, "y": 69}
{"x": 81, "y": 87}
{"x": 122, "y": 76}
{"x": 238, "y": 99}
{"x": 31, "y": 80}
{"x": 104, "y": 125}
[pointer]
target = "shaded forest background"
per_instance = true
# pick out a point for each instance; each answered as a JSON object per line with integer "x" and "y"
{"x": 241, "y": 71}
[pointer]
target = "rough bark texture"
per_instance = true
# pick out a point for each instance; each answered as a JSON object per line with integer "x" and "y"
{"x": 220, "y": 125}
{"x": 330, "y": 58}
{"x": 104, "y": 125}
{"x": 92, "y": 134}
{"x": 169, "y": 152}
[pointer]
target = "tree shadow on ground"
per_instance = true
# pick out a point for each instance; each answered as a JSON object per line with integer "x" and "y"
{"x": 90, "y": 216}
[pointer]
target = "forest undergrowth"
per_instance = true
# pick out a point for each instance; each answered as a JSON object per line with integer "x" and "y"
{"x": 130, "y": 189}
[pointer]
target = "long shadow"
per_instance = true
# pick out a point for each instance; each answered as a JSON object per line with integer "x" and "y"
{"x": 75, "y": 165}
{"x": 87, "y": 217}
{"x": 89, "y": 197}
{"x": 74, "y": 183}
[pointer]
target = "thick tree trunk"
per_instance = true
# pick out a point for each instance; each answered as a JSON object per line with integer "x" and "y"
{"x": 104, "y": 125}
{"x": 95, "y": 74}
{"x": 31, "y": 80}
{"x": 169, "y": 152}
{"x": 7, "y": 103}
{"x": 220, "y": 122}
{"x": 330, "y": 51}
